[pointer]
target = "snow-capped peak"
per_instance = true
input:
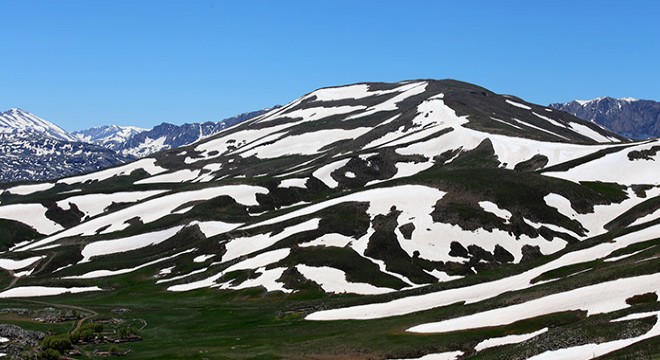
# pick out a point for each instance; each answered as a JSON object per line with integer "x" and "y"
{"x": 108, "y": 135}
{"x": 18, "y": 121}
{"x": 598, "y": 99}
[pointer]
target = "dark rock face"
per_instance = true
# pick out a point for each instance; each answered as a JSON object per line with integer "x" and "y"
{"x": 635, "y": 119}
{"x": 19, "y": 340}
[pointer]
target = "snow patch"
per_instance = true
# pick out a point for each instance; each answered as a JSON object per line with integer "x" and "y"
{"x": 334, "y": 281}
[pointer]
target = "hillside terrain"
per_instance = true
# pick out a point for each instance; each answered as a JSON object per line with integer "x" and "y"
{"x": 415, "y": 220}
{"x": 631, "y": 118}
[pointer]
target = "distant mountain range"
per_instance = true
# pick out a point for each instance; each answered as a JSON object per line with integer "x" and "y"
{"x": 33, "y": 149}
{"x": 632, "y": 118}
{"x": 134, "y": 142}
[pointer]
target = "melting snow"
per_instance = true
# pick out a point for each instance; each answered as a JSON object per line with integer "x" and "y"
{"x": 247, "y": 245}
{"x": 628, "y": 172}
{"x": 148, "y": 165}
{"x": 294, "y": 182}
{"x": 309, "y": 143}
{"x": 213, "y": 228}
{"x": 334, "y": 281}
{"x": 173, "y": 177}
{"x": 591, "y": 351}
{"x": 495, "y": 210}
{"x": 107, "y": 247}
{"x": 332, "y": 239}
{"x": 507, "y": 340}
{"x": 253, "y": 263}
{"x": 451, "y": 355}
{"x": 595, "y": 299}
{"x": 517, "y": 104}
{"x": 31, "y": 291}
{"x": 10, "y": 264}
{"x": 202, "y": 258}
{"x": 323, "y": 173}
{"x": 481, "y": 291}
{"x": 152, "y": 210}
{"x": 33, "y": 215}
{"x": 94, "y": 204}
{"x": 29, "y": 189}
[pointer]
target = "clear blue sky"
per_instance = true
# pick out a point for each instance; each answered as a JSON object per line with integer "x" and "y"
{"x": 87, "y": 63}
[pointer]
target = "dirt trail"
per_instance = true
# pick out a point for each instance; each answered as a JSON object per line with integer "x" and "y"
{"x": 80, "y": 322}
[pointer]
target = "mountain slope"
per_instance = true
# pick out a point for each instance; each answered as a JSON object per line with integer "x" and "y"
{"x": 635, "y": 119}
{"x": 363, "y": 221}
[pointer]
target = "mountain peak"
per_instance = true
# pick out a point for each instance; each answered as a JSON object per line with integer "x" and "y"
{"x": 23, "y": 123}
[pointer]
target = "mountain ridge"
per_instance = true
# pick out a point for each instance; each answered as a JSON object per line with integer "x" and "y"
{"x": 36, "y": 149}
{"x": 633, "y": 118}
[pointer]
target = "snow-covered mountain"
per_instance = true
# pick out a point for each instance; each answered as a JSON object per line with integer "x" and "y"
{"x": 112, "y": 137}
{"x": 33, "y": 149}
{"x": 378, "y": 220}
{"x": 20, "y": 123}
{"x": 628, "y": 117}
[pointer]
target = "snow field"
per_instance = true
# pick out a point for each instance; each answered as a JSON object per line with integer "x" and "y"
{"x": 309, "y": 143}
{"x": 323, "y": 173}
{"x": 595, "y": 299}
{"x": 267, "y": 279}
{"x": 481, "y": 291}
{"x": 94, "y": 204}
{"x": 32, "y": 291}
{"x": 332, "y": 239}
{"x": 595, "y": 221}
{"x": 517, "y": 104}
{"x": 258, "y": 261}
{"x": 33, "y": 215}
{"x": 334, "y": 281}
{"x": 507, "y": 340}
{"x": 10, "y": 264}
{"x": 213, "y": 228}
{"x": 105, "y": 273}
{"x": 152, "y": 210}
{"x": 591, "y": 351}
{"x": 628, "y": 172}
{"x": 247, "y": 245}
{"x": 405, "y": 91}
{"x": 106, "y": 247}
{"x": 358, "y": 91}
{"x": 148, "y": 165}
{"x": 173, "y": 177}
{"x": 317, "y": 113}
{"x": 492, "y": 208}
{"x": 450, "y": 355}
{"x": 30, "y": 189}
{"x": 294, "y": 182}
{"x": 237, "y": 139}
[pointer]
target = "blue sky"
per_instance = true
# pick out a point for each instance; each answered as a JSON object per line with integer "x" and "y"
{"x": 87, "y": 63}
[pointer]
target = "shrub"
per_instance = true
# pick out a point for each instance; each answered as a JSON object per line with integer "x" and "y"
{"x": 49, "y": 354}
{"x": 57, "y": 342}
